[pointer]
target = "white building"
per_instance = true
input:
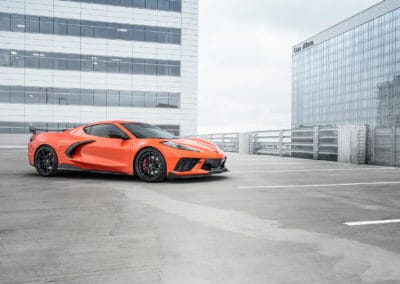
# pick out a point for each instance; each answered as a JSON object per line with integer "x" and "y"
{"x": 71, "y": 62}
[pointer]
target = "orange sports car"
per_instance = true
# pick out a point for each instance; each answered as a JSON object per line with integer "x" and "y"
{"x": 126, "y": 147}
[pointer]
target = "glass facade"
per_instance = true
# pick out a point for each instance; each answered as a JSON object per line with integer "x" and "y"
{"x": 16, "y": 127}
{"x": 163, "y": 5}
{"x": 338, "y": 81}
{"x": 88, "y": 63}
{"x": 92, "y": 29}
{"x": 87, "y": 97}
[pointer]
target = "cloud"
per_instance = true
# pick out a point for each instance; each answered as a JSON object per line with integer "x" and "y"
{"x": 245, "y": 58}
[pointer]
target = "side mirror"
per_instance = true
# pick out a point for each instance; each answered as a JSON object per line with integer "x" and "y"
{"x": 119, "y": 135}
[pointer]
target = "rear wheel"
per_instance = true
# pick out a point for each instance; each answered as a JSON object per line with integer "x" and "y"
{"x": 46, "y": 161}
{"x": 150, "y": 165}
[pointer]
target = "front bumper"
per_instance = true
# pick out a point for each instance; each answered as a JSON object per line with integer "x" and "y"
{"x": 187, "y": 168}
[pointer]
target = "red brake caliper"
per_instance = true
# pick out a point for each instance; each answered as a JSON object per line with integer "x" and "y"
{"x": 144, "y": 162}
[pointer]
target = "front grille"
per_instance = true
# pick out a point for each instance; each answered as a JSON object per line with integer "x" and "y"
{"x": 211, "y": 164}
{"x": 186, "y": 164}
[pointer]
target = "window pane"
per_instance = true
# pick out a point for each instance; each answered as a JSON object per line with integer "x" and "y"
{"x": 17, "y": 58}
{"x": 46, "y": 25}
{"x": 100, "y": 30}
{"x": 60, "y": 27}
{"x": 113, "y": 65}
{"x": 45, "y": 62}
{"x": 138, "y": 66}
{"x": 138, "y": 99}
{"x": 151, "y": 34}
{"x": 60, "y": 63}
{"x": 74, "y": 62}
{"x": 74, "y": 28}
{"x": 4, "y": 94}
{"x": 163, "y": 5}
{"x": 100, "y": 98}
{"x": 113, "y": 31}
{"x": 125, "y": 32}
{"x": 138, "y": 34}
{"x": 17, "y": 95}
{"x": 150, "y": 99}
{"x": 125, "y": 98}
{"x": 174, "y": 100}
{"x": 99, "y": 64}
{"x": 175, "y": 5}
{"x": 60, "y": 97}
{"x": 175, "y": 37}
{"x": 127, "y": 3}
{"x": 150, "y": 67}
{"x": 139, "y": 3}
{"x": 112, "y": 98}
{"x": 86, "y": 65}
{"x": 32, "y": 60}
{"x": 125, "y": 66}
{"x": 5, "y": 22}
{"x": 73, "y": 97}
{"x": 162, "y": 69}
{"x": 103, "y": 130}
{"x": 151, "y": 4}
{"x": 87, "y": 29}
{"x": 162, "y": 100}
{"x": 32, "y": 24}
{"x": 17, "y": 23}
{"x": 87, "y": 97}
{"x": 4, "y": 57}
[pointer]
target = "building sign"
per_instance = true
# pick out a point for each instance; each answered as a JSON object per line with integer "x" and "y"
{"x": 304, "y": 46}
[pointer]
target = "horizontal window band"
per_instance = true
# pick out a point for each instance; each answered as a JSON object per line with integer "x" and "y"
{"x": 162, "y": 5}
{"x": 85, "y": 28}
{"x": 87, "y": 97}
{"x": 88, "y": 63}
{"x": 17, "y": 127}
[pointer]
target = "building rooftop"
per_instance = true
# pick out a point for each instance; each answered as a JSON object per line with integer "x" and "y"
{"x": 349, "y": 23}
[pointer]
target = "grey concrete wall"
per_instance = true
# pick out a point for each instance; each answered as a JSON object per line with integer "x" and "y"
{"x": 352, "y": 144}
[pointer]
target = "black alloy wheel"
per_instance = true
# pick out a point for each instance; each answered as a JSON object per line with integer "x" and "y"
{"x": 150, "y": 165}
{"x": 46, "y": 161}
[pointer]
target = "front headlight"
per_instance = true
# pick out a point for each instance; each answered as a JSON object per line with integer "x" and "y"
{"x": 178, "y": 146}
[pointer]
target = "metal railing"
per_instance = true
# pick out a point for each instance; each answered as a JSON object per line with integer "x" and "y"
{"x": 385, "y": 146}
{"x": 228, "y": 142}
{"x": 271, "y": 142}
{"x": 314, "y": 143}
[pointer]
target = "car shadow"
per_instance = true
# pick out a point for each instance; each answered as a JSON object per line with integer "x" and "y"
{"x": 127, "y": 178}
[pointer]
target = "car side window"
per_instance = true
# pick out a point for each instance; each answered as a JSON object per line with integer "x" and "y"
{"x": 102, "y": 130}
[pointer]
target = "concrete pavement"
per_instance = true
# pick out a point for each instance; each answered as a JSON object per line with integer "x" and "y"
{"x": 270, "y": 220}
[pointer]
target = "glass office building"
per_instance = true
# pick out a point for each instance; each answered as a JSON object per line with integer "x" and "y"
{"x": 68, "y": 62}
{"x": 348, "y": 74}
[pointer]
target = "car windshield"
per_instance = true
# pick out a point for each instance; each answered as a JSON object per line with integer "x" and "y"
{"x": 143, "y": 130}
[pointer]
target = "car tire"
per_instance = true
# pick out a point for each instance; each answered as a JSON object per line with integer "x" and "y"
{"x": 46, "y": 161}
{"x": 150, "y": 165}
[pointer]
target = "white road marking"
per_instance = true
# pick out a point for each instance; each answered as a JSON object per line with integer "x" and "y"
{"x": 316, "y": 185}
{"x": 315, "y": 170}
{"x": 360, "y": 223}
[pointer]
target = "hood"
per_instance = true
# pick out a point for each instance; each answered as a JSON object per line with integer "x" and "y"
{"x": 197, "y": 143}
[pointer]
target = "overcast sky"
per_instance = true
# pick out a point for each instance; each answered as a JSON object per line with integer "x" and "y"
{"x": 245, "y": 57}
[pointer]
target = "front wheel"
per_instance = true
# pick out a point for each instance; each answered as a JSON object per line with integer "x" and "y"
{"x": 150, "y": 165}
{"x": 46, "y": 161}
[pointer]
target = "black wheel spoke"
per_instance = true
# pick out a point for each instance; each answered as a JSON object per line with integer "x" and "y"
{"x": 46, "y": 161}
{"x": 149, "y": 165}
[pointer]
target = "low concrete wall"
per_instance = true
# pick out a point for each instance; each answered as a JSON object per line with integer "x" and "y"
{"x": 14, "y": 139}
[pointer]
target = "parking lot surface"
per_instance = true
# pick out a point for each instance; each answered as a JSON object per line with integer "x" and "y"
{"x": 269, "y": 220}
